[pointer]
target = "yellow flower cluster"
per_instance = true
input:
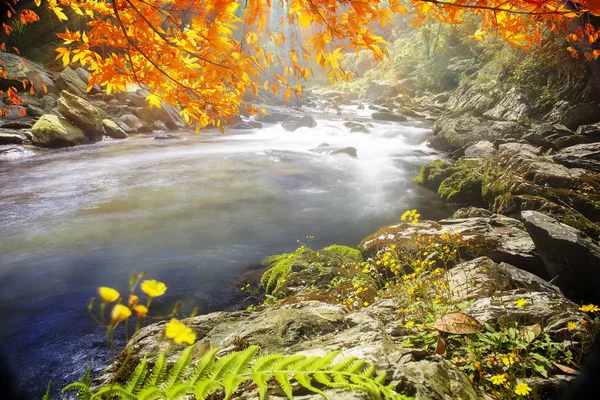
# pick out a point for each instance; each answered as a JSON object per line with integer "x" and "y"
{"x": 121, "y": 312}
{"x": 589, "y": 308}
{"x": 411, "y": 216}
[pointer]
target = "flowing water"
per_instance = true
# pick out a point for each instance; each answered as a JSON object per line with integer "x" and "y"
{"x": 194, "y": 213}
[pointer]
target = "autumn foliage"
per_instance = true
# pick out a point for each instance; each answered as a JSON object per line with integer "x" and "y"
{"x": 203, "y": 55}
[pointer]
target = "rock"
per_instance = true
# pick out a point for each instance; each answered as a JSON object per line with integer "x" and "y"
{"x": 580, "y": 156}
{"x": 159, "y": 126}
{"x": 49, "y": 103}
{"x": 471, "y": 212}
{"x": 54, "y": 131}
{"x": 295, "y": 122}
{"x": 325, "y": 148}
{"x": 132, "y": 121}
{"x": 581, "y": 114}
{"x": 126, "y": 128}
{"x": 85, "y": 77}
{"x": 590, "y": 130}
{"x": 484, "y": 149}
{"x": 18, "y": 69}
{"x": 567, "y": 253}
{"x": 385, "y": 89}
{"x": 34, "y": 111}
{"x": 388, "y": 116}
{"x": 70, "y": 81}
{"x": 166, "y": 136}
{"x": 111, "y": 129}
{"x": 82, "y": 114}
{"x": 10, "y": 138}
{"x": 482, "y": 277}
{"x": 538, "y": 140}
{"x": 500, "y": 238}
{"x": 513, "y": 106}
{"x": 550, "y": 309}
{"x": 314, "y": 328}
{"x": 351, "y": 151}
{"x": 356, "y": 127}
{"x": 464, "y": 129}
{"x": 23, "y": 123}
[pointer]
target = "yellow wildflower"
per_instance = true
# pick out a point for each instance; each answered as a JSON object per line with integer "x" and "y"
{"x": 140, "y": 310}
{"x": 522, "y": 389}
{"x": 153, "y": 288}
{"x": 119, "y": 313}
{"x": 508, "y": 360}
{"x": 179, "y": 332}
{"x": 366, "y": 303}
{"x": 409, "y": 324}
{"x": 571, "y": 325}
{"x": 498, "y": 379}
{"x": 589, "y": 308}
{"x": 133, "y": 300}
{"x": 521, "y": 302}
{"x": 108, "y": 295}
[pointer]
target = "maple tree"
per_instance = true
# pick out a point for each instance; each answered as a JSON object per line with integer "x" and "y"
{"x": 203, "y": 55}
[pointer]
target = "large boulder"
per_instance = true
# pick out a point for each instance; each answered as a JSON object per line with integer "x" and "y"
{"x": 53, "y": 131}
{"x": 294, "y": 122}
{"x": 580, "y": 156}
{"x": 457, "y": 131}
{"x": 581, "y": 114}
{"x": 498, "y": 237}
{"x": 568, "y": 254}
{"x": 483, "y": 149}
{"x": 70, "y": 81}
{"x": 19, "y": 69}
{"x": 81, "y": 113}
{"x": 111, "y": 129}
{"x": 313, "y": 328}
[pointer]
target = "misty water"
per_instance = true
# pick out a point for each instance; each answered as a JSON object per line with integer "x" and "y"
{"x": 194, "y": 213}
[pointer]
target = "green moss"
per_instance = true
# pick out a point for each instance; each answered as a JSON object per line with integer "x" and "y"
{"x": 342, "y": 254}
{"x": 433, "y": 173}
{"x": 464, "y": 185}
{"x": 280, "y": 267}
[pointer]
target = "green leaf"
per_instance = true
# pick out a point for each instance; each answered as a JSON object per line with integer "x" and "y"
{"x": 178, "y": 370}
{"x": 231, "y": 383}
{"x": 204, "y": 367}
{"x": 158, "y": 372}
{"x": 136, "y": 380}
{"x": 47, "y": 394}
{"x": 204, "y": 387}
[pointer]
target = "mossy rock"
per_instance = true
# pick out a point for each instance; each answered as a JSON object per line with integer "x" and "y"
{"x": 464, "y": 186}
{"x": 342, "y": 254}
{"x": 433, "y": 173}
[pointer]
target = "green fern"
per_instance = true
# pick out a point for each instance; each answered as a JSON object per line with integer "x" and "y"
{"x": 228, "y": 373}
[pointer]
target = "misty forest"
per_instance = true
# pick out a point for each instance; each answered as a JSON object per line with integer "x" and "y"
{"x": 300, "y": 199}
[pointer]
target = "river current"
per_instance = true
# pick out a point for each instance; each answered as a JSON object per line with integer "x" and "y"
{"x": 193, "y": 212}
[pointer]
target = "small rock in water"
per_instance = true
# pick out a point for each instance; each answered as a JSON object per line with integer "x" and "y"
{"x": 388, "y": 116}
{"x": 356, "y": 127}
{"x": 166, "y": 136}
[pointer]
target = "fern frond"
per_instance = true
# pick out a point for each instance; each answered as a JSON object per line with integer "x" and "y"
{"x": 114, "y": 390}
{"x": 229, "y": 372}
{"x": 204, "y": 366}
{"x": 150, "y": 393}
{"x": 136, "y": 380}
{"x": 205, "y": 387}
{"x": 178, "y": 370}
{"x": 158, "y": 372}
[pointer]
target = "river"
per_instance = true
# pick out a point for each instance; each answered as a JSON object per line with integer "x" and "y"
{"x": 194, "y": 213}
